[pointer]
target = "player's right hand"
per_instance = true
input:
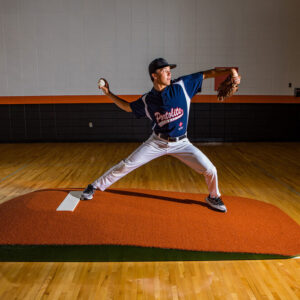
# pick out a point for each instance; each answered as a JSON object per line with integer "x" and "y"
{"x": 104, "y": 88}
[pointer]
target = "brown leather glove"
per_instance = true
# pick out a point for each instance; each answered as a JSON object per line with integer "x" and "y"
{"x": 228, "y": 87}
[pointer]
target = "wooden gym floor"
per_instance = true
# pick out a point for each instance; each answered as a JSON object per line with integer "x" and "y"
{"x": 269, "y": 172}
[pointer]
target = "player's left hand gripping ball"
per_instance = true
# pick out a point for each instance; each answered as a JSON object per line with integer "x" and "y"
{"x": 101, "y": 83}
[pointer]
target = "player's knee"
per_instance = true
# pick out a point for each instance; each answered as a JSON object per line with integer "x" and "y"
{"x": 120, "y": 167}
{"x": 123, "y": 166}
{"x": 211, "y": 171}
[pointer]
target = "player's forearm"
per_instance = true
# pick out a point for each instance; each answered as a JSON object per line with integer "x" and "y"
{"x": 119, "y": 102}
{"x": 218, "y": 72}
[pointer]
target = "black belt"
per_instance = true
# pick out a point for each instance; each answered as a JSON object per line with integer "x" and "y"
{"x": 170, "y": 138}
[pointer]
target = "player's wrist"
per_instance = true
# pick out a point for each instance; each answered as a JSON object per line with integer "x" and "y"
{"x": 106, "y": 92}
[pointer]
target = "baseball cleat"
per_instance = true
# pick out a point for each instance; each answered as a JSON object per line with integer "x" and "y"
{"x": 216, "y": 203}
{"x": 88, "y": 193}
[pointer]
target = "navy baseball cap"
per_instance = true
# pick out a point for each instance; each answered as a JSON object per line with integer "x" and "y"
{"x": 157, "y": 64}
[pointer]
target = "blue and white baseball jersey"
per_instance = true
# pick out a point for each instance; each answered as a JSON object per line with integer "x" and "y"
{"x": 169, "y": 109}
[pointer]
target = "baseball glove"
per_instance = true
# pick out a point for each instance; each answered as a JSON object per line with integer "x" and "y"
{"x": 228, "y": 87}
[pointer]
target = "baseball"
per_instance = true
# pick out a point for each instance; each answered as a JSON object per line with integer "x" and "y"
{"x": 101, "y": 83}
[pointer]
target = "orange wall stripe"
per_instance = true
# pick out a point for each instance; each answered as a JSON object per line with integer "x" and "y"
{"x": 61, "y": 99}
{"x": 247, "y": 99}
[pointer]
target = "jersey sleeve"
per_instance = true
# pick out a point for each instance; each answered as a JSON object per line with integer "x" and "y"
{"x": 193, "y": 83}
{"x": 138, "y": 108}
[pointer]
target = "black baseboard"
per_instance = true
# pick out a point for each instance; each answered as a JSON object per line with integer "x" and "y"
{"x": 208, "y": 122}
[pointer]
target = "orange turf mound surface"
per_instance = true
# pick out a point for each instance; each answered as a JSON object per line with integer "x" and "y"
{"x": 149, "y": 218}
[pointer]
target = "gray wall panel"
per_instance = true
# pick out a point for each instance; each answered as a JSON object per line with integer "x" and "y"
{"x": 62, "y": 47}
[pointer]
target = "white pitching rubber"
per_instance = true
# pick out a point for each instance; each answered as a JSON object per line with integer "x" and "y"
{"x": 70, "y": 202}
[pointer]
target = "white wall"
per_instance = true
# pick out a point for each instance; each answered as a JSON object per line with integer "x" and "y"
{"x": 61, "y": 47}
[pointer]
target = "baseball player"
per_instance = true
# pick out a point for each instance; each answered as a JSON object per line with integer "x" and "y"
{"x": 167, "y": 105}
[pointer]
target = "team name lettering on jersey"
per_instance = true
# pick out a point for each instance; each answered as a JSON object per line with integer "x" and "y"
{"x": 169, "y": 117}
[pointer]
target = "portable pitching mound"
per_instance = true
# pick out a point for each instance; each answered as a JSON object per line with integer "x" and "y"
{"x": 142, "y": 225}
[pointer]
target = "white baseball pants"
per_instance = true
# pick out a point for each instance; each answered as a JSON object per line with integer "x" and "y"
{"x": 155, "y": 147}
